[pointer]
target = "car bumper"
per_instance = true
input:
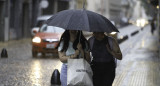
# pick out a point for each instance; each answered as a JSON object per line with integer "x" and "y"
{"x": 44, "y": 50}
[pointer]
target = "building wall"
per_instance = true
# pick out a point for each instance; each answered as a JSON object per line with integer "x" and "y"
{"x": 35, "y": 12}
{"x": 115, "y": 9}
{"x": 94, "y": 5}
{"x": 2, "y": 13}
{"x": 17, "y": 18}
{"x": 77, "y": 4}
{"x": 54, "y": 6}
{"x": 4, "y": 20}
{"x": 108, "y": 8}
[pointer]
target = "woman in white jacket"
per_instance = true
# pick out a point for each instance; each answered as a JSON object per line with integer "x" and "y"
{"x": 70, "y": 47}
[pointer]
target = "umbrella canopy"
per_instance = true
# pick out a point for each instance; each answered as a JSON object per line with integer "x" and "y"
{"x": 81, "y": 20}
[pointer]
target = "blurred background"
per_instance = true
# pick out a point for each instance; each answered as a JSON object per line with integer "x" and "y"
{"x": 18, "y": 17}
{"x": 20, "y": 21}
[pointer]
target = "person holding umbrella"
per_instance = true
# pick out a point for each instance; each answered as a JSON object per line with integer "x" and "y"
{"x": 93, "y": 22}
{"x": 104, "y": 50}
{"x": 72, "y": 44}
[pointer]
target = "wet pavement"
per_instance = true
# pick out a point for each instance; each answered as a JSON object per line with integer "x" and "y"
{"x": 18, "y": 72}
{"x": 139, "y": 67}
{"x": 21, "y": 69}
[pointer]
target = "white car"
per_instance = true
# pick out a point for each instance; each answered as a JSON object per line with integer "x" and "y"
{"x": 39, "y": 23}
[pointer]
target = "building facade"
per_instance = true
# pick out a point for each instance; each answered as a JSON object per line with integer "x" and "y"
{"x": 17, "y": 17}
{"x": 111, "y": 9}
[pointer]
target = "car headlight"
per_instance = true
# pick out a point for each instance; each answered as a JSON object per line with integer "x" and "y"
{"x": 36, "y": 40}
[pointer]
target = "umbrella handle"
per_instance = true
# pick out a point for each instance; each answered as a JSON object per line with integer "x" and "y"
{"x": 84, "y": 4}
{"x": 80, "y": 37}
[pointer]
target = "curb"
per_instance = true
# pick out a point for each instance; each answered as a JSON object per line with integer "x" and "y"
{"x": 123, "y": 39}
{"x": 134, "y": 33}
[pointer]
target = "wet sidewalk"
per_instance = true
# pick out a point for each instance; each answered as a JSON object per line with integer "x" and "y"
{"x": 141, "y": 66}
{"x": 11, "y": 43}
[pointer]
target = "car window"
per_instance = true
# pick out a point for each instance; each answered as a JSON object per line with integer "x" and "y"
{"x": 58, "y": 30}
{"x": 51, "y": 29}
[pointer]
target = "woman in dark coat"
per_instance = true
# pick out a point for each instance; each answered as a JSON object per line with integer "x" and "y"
{"x": 104, "y": 50}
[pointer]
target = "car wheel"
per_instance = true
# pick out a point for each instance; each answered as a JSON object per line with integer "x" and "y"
{"x": 43, "y": 54}
{"x": 34, "y": 53}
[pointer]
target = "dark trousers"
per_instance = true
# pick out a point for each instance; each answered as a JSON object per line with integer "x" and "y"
{"x": 103, "y": 74}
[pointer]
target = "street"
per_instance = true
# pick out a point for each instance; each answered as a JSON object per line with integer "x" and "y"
{"x": 140, "y": 65}
{"x": 30, "y": 32}
{"x": 21, "y": 69}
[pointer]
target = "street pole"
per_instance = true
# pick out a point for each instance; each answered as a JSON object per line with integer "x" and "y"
{"x": 6, "y": 20}
{"x": 55, "y": 6}
{"x": 159, "y": 24}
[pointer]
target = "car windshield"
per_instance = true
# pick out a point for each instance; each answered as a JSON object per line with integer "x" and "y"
{"x": 39, "y": 23}
{"x": 51, "y": 29}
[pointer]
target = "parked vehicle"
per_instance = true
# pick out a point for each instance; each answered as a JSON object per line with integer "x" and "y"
{"x": 46, "y": 39}
{"x": 39, "y": 23}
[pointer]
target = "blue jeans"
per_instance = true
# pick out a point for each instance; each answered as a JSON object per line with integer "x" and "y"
{"x": 63, "y": 75}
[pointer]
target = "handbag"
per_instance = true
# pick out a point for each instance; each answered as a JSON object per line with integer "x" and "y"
{"x": 79, "y": 73}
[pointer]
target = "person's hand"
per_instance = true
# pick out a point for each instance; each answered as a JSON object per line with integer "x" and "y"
{"x": 109, "y": 50}
{"x": 76, "y": 53}
{"x": 79, "y": 46}
{"x": 116, "y": 54}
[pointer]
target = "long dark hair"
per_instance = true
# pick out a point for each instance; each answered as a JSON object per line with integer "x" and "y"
{"x": 66, "y": 37}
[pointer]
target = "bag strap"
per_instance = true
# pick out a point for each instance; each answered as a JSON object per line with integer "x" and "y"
{"x": 111, "y": 46}
{"x": 91, "y": 41}
{"x": 110, "y": 42}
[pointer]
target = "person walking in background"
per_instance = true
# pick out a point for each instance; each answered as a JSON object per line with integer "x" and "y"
{"x": 70, "y": 47}
{"x": 152, "y": 26}
{"x": 103, "y": 49}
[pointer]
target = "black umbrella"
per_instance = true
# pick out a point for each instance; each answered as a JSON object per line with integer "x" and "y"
{"x": 81, "y": 20}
